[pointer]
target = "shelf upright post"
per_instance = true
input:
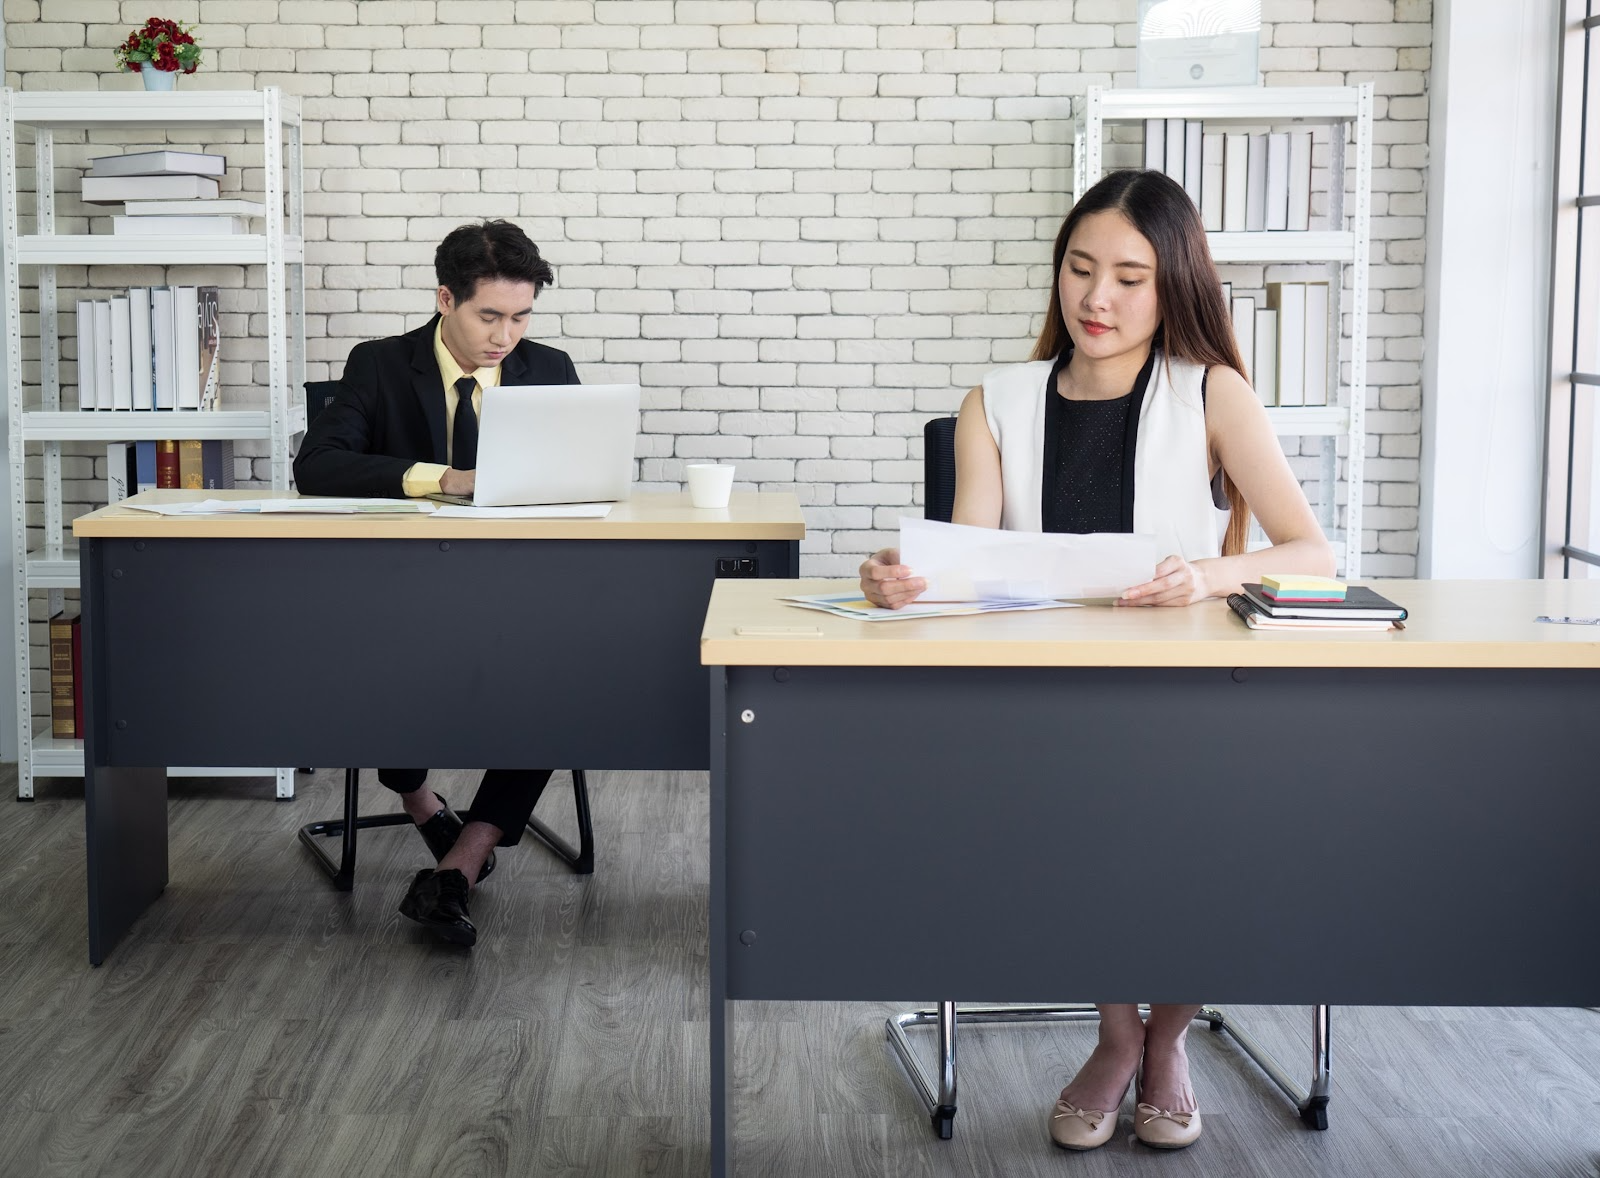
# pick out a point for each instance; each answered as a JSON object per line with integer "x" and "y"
{"x": 1355, "y": 468}
{"x": 18, "y": 485}
{"x": 1338, "y": 305}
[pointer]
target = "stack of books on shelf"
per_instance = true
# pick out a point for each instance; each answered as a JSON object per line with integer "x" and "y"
{"x": 190, "y": 464}
{"x": 1242, "y": 182}
{"x": 1314, "y": 603}
{"x": 1284, "y": 341}
{"x": 167, "y": 192}
{"x": 153, "y": 348}
{"x": 66, "y": 677}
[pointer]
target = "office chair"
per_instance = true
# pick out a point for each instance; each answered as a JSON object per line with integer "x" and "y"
{"x": 939, "y": 1096}
{"x": 319, "y": 395}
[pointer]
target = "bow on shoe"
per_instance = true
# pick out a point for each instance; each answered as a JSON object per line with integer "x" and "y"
{"x": 1091, "y": 1117}
{"x": 1152, "y": 1114}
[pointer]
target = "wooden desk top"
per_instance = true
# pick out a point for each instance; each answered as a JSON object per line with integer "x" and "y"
{"x": 647, "y": 515}
{"x": 1451, "y": 624}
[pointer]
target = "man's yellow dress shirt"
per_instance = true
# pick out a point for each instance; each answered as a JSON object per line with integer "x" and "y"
{"x": 423, "y": 477}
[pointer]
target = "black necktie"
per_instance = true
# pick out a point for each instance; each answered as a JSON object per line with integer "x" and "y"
{"x": 464, "y": 441}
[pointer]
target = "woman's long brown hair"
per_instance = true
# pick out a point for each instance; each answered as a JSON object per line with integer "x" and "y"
{"x": 1195, "y": 323}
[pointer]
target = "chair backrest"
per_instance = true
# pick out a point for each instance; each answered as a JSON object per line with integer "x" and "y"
{"x": 319, "y": 395}
{"x": 939, "y": 468}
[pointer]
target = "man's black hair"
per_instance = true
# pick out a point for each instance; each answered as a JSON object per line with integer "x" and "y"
{"x": 493, "y": 249}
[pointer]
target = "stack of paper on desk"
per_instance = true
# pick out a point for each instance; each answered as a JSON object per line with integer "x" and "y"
{"x": 290, "y": 506}
{"x": 963, "y": 563}
{"x": 853, "y": 605}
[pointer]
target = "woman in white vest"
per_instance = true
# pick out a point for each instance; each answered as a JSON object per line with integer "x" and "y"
{"x": 1133, "y": 416}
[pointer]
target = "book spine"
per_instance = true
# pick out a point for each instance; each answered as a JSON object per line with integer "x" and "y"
{"x": 1255, "y": 198}
{"x": 1211, "y": 177}
{"x": 1176, "y": 139}
{"x": 78, "y": 717}
{"x": 208, "y": 338}
{"x": 121, "y": 354}
{"x": 143, "y": 357}
{"x": 86, "y": 360}
{"x": 118, "y": 468}
{"x": 1155, "y": 144}
{"x": 1244, "y": 333}
{"x": 185, "y": 317}
{"x": 1317, "y": 328}
{"x": 144, "y": 466}
{"x": 167, "y": 464}
{"x": 1193, "y": 132}
{"x": 1299, "y": 180}
{"x": 1278, "y": 180}
{"x": 191, "y": 468}
{"x": 164, "y": 344}
{"x": 1266, "y": 363}
{"x": 1240, "y": 604}
{"x": 102, "y": 354}
{"x": 216, "y": 464}
{"x": 1235, "y": 180}
{"x": 61, "y": 719}
{"x": 1289, "y": 300}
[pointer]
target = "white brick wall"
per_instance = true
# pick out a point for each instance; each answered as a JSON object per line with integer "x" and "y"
{"x": 804, "y": 226}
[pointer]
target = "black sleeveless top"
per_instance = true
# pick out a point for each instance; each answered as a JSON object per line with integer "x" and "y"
{"x": 1088, "y": 457}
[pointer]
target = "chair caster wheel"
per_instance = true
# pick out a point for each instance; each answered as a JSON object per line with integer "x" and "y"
{"x": 943, "y": 1119}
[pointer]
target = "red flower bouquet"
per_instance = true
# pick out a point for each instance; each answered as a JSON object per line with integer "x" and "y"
{"x": 163, "y": 45}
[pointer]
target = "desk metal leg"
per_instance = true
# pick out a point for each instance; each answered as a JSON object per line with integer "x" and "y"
{"x": 940, "y": 1098}
{"x": 125, "y": 826}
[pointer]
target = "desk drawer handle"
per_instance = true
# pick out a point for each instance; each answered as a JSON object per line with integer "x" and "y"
{"x": 747, "y": 716}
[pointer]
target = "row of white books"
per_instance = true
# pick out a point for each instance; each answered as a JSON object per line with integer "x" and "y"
{"x": 167, "y": 192}
{"x": 1284, "y": 341}
{"x": 1241, "y": 181}
{"x": 157, "y": 347}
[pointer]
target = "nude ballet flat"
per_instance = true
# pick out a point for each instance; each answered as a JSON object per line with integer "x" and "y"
{"x": 1081, "y": 1128}
{"x": 1160, "y": 1129}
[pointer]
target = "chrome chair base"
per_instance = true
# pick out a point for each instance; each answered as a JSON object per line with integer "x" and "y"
{"x": 939, "y": 1095}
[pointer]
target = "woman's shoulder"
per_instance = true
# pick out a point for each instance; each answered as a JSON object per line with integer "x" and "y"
{"x": 1015, "y": 379}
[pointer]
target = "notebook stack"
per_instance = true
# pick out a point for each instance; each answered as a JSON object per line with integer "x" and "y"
{"x": 1314, "y": 603}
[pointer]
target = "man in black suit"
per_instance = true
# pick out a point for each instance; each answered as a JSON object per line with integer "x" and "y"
{"x": 406, "y": 423}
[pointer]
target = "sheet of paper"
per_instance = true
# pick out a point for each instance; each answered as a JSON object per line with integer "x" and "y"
{"x": 853, "y": 605}
{"x": 985, "y": 564}
{"x": 545, "y": 511}
{"x": 290, "y": 507}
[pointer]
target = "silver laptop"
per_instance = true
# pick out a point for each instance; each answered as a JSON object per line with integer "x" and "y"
{"x": 554, "y": 444}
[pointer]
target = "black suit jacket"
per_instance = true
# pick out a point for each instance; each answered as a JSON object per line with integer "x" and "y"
{"x": 390, "y": 413}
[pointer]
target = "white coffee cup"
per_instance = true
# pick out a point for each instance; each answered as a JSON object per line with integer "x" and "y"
{"x": 709, "y": 483}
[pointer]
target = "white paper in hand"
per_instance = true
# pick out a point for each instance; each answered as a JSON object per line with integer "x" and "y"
{"x": 985, "y": 564}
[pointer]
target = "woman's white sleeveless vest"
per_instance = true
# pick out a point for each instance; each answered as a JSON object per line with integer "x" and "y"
{"x": 1171, "y": 475}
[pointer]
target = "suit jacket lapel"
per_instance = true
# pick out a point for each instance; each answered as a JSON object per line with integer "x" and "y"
{"x": 514, "y": 368}
{"x": 429, "y": 387}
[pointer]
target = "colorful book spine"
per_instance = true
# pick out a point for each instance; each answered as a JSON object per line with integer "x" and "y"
{"x": 63, "y": 725}
{"x": 191, "y": 469}
{"x": 167, "y": 464}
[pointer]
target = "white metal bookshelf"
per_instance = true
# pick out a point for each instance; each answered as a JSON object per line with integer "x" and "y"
{"x": 1344, "y": 244}
{"x": 37, "y": 422}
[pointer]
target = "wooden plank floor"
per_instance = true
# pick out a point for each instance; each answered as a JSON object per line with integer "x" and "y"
{"x": 258, "y": 1023}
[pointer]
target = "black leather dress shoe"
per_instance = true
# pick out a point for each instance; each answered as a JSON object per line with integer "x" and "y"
{"x": 438, "y": 899}
{"x": 440, "y": 833}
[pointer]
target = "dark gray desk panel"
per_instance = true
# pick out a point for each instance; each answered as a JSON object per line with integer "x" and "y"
{"x": 1335, "y": 836}
{"x": 460, "y": 654}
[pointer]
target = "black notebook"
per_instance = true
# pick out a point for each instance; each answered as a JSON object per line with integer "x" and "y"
{"x": 1359, "y": 602}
